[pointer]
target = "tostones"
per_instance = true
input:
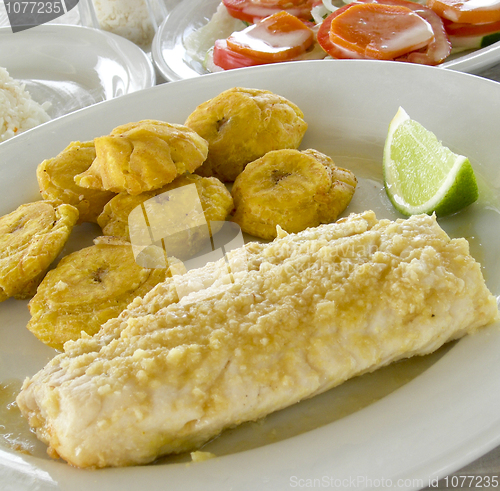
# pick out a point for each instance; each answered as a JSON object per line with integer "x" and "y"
{"x": 241, "y": 125}
{"x": 31, "y": 237}
{"x": 87, "y": 288}
{"x": 142, "y": 156}
{"x": 216, "y": 204}
{"x": 56, "y": 179}
{"x": 292, "y": 189}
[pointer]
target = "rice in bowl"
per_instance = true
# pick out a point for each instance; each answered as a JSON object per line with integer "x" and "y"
{"x": 131, "y": 19}
{"x": 18, "y": 111}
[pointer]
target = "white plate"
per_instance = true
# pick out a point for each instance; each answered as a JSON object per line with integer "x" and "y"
{"x": 73, "y": 66}
{"x": 474, "y": 61}
{"x": 431, "y": 425}
{"x": 174, "y": 63}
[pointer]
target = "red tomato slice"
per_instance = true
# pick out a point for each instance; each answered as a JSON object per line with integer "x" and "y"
{"x": 226, "y": 58}
{"x": 383, "y": 32}
{"x": 461, "y": 29}
{"x": 439, "y": 49}
{"x": 467, "y": 11}
{"x": 472, "y": 36}
{"x": 279, "y": 37}
{"x": 433, "y": 53}
{"x": 254, "y": 10}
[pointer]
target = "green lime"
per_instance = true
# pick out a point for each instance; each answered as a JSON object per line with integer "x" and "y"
{"x": 423, "y": 176}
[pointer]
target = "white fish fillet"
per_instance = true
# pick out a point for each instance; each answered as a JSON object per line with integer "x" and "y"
{"x": 313, "y": 310}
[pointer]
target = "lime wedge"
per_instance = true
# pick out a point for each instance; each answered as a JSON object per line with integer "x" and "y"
{"x": 423, "y": 176}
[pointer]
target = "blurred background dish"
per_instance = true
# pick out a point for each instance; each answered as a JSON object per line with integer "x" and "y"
{"x": 135, "y": 20}
{"x": 168, "y": 50}
{"x": 72, "y": 66}
{"x": 174, "y": 62}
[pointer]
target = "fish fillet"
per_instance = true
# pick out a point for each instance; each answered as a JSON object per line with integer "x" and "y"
{"x": 310, "y": 311}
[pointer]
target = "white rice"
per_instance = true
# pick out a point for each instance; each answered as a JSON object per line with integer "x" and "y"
{"x": 18, "y": 111}
{"x": 130, "y": 19}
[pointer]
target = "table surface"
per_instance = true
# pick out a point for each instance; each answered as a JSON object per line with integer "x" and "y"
{"x": 478, "y": 472}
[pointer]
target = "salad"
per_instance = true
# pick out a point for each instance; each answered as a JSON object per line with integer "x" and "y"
{"x": 254, "y": 32}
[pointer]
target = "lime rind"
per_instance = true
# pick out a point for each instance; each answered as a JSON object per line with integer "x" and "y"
{"x": 444, "y": 189}
{"x": 459, "y": 196}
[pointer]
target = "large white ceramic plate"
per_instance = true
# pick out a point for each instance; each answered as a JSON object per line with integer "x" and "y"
{"x": 174, "y": 63}
{"x": 73, "y": 66}
{"x": 444, "y": 413}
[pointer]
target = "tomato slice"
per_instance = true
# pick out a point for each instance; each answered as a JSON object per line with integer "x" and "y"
{"x": 467, "y": 11}
{"x": 226, "y": 58}
{"x": 462, "y": 29}
{"x": 472, "y": 36}
{"x": 433, "y": 53}
{"x": 439, "y": 49}
{"x": 279, "y": 37}
{"x": 254, "y": 10}
{"x": 379, "y": 31}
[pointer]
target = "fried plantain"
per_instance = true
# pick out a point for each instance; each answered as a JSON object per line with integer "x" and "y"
{"x": 87, "y": 288}
{"x": 31, "y": 237}
{"x": 216, "y": 202}
{"x": 241, "y": 125}
{"x": 142, "y": 156}
{"x": 292, "y": 189}
{"x": 56, "y": 179}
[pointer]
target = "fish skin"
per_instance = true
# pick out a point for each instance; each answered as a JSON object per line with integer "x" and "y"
{"x": 310, "y": 311}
